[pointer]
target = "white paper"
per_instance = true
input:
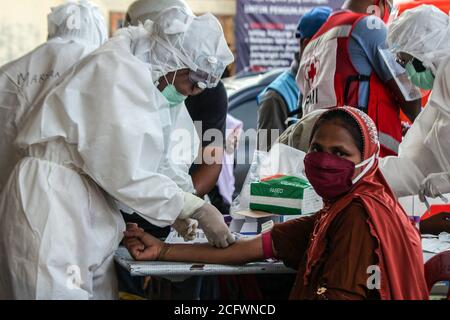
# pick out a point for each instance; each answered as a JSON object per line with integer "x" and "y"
{"x": 249, "y": 228}
{"x": 174, "y": 238}
{"x": 434, "y": 245}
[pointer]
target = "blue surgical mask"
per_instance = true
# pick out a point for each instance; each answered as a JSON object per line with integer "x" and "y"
{"x": 423, "y": 79}
{"x": 172, "y": 95}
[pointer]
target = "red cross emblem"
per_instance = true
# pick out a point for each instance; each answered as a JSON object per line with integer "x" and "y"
{"x": 312, "y": 70}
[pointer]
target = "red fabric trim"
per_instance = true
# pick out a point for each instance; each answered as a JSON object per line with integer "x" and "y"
{"x": 267, "y": 245}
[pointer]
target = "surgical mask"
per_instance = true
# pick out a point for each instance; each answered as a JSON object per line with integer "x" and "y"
{"x": 330, "y": 175}
{"x": 172, "y": 95}
{"x": 422, "y": 79}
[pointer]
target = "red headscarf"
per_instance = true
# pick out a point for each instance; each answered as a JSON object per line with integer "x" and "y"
{"x": 399, "y": 250}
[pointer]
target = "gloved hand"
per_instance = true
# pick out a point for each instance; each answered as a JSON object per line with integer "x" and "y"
{"x": 209, "y": 219}
{"x": 187, "y": 228}
{"x": 212, "y": 223}
{"x": 435, "y": 185}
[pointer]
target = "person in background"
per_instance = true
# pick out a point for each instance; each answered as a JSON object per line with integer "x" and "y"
{"x": 279, "y": 102}
{"x": 420, "y": 38}
{"x": 24, "y": 80}
{"x": 344, "y": 64}
{"x": 100, "y": 138}
{"x": 208, "y": 110}
{"x": 222, "y": 195}
{"x": 357, "y": 247}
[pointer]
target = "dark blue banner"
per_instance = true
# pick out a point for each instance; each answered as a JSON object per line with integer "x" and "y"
{"x": 265, "y": 31}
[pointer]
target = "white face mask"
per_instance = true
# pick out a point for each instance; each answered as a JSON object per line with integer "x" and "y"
{"x": 369, "y": 162}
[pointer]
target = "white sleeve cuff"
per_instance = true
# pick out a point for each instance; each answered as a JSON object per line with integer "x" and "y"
{"x": 191, "y": 204}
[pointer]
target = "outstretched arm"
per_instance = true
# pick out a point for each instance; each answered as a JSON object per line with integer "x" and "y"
{"x": 143, "y": 246}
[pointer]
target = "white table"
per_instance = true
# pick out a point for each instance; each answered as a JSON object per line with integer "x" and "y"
{"x": 178, "y": 271}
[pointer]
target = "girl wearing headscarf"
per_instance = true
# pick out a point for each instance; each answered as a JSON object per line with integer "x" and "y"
{"x": 361, "y": 245}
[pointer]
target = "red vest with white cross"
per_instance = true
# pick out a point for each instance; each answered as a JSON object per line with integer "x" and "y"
{"x": 327, "y": 54}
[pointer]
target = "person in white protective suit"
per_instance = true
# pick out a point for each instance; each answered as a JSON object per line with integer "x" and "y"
{"x": 178, "y": 171}
{"x": 98, "y": 137}
{"x": 420, "y": 38}
{"x": 74, "y": 30}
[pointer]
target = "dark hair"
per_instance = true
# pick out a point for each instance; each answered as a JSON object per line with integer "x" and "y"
{"x": 346, "y": 121}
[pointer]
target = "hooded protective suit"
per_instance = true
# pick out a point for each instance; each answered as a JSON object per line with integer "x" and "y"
{"x": 424, "y": 33}
{"x": 142, "y": 10}
{"x": 25, "y": 79}
{"x": 95, "y": 138}
{"x": 138, "y": 13}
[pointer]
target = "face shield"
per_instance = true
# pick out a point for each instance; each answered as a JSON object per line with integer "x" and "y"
{"x": 192, "y": 42}
{"x": 422, "y": 32}
{"x": 207, "y": 79}
{"x": 410, "y": 92}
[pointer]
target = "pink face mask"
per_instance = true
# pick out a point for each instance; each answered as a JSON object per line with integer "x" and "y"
{"x": 330, "y": 175}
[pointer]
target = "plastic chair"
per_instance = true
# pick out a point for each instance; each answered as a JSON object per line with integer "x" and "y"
{"x": 438, "y": 269}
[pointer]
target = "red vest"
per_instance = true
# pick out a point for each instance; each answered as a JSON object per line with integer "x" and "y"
{"x": 328, "y": 53}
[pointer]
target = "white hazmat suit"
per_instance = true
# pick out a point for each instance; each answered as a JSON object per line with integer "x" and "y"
{"x": 25, "y": 79}
{"x": 95, "y": 138}
{"x": 138, "y": 13}
{"x": 424, "y": 155}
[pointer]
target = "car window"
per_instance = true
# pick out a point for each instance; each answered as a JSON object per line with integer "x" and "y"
{"x": 247, "y": 112}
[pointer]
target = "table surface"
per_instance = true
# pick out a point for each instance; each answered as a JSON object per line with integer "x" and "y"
{"x": 177, "y": 269}
{"x": 187, "y": 269}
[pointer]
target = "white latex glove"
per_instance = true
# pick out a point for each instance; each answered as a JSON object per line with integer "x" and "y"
{"x": 187, "y": 228}
{"x": 212, "y": 223}
{"x": 435, "y": 185}
{"x": 209, "y": 219}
